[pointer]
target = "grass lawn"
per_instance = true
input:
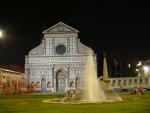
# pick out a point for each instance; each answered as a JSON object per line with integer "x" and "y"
{"x": 33, "y": 104}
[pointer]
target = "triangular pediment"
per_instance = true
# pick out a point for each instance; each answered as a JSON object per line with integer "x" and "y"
{"x": 60, "y": 28}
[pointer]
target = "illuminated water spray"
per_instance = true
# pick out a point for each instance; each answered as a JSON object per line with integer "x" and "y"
{"x": 93, "y": 91}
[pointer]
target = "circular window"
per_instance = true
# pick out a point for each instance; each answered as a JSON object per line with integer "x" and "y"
{"x": 61, "y": 49}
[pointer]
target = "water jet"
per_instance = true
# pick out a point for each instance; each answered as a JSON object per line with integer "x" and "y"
{"x": 93, "y": 90}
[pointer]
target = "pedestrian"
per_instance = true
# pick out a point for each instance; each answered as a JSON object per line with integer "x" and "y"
{"x": 134, "y": 91}
{"x": 141, "y": 89}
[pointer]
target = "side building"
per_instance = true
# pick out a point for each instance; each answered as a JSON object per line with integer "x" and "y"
{"x": 58, "y": 63}
{"x": 143, "y": 70}
{"x": 12, "y": 82}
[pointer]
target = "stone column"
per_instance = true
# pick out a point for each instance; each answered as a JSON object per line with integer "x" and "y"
{"x": 27, "y": 70}
{"x": 110, "y": 83}
{"x": 66, "y": 84}
{"x": 17, "y": 86}
{"x": 53, "y": 77}
{"x": 148, "y": 81}
{"x": 127, "y": 84}
{"x": 138, "y": 82}
{"x": 68, "y": 75}
{"x": 132, "y": 82}
{"x": 54, "y": 80}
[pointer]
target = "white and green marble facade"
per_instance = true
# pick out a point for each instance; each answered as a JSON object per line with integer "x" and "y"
{"x": 57, "y": 64}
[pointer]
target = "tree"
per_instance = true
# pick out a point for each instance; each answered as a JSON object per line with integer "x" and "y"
{"x": 132, "y": 70}
{"x": 114, "y": 68}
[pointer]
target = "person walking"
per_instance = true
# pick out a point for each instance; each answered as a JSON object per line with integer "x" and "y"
{"x": 141, "y": 89}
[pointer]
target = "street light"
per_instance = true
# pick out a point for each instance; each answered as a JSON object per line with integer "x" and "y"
{"x": 145, "y": 70}
{"x": 1, "y": 33}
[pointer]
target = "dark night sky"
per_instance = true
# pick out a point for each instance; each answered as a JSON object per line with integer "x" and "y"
{"x": 122, "y": 31}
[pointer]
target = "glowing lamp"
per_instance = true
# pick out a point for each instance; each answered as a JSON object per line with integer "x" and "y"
{"x": 145, "y": 68}
{"x": 1, "y": 33}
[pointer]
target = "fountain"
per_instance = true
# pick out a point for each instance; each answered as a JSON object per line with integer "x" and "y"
{"x": 93, "y": 90}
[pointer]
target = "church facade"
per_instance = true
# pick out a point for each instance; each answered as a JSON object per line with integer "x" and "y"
{"x": 58, "y": 63}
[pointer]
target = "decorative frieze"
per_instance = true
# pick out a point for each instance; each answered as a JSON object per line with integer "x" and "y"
{"x": 57, "y": 59}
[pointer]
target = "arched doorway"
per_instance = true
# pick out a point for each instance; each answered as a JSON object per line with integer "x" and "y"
{"x": 60, "y": 81}
{"x": 77, "y": 83}
{"x": 146, "y": 81}
{"x": 124, "y": 82}
{"x": 135, "y": 83}
{"x": 119, "y": 82}
{"x": 43, "y": 85}
{"x": 130, "y": 82}
{"x": 113, "y": 83}
{"x": 141, "y": 81}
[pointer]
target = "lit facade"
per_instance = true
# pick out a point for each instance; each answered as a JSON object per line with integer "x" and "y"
{"x": 143, "y": 68}
{"x": 58, "y": 63}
